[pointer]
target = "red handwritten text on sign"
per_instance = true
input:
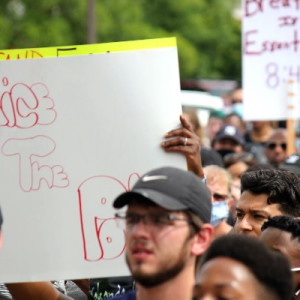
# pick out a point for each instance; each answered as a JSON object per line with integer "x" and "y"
{"x": 102, "y": 237}
{"x": 25, "y": 106}
{"x": 289, "y": 17}
{"x": 272, "y": 30}
{"x": 21, "y": 55}
{"x": 253, "y": 7}
{"x": 31, "y": 173}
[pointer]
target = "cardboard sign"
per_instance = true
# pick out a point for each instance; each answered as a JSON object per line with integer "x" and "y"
{"x": 271, "y": 59}
{"x": 74, "y": 133}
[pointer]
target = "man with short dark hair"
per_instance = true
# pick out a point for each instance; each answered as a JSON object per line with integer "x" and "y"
{"x": 166, "y": 227}
{"x": 241, "y": 267}
{"x": 266, "y": 193}
{"x": 282, "y": 233}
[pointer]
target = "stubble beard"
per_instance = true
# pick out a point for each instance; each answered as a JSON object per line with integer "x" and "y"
{"x": 163, "y": 274}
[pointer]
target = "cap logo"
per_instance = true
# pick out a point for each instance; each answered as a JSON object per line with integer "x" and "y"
{"x": 292, "y": 159}
{"x": 154, "y": 177}
{"x": 230, "y": 130}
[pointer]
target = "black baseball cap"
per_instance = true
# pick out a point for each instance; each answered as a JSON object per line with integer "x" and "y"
{"x": 292, "y": 163}
{"x": 230, "y": 132}
{"x": 173, "y": 189}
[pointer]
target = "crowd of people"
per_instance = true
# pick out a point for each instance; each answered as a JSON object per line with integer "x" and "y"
{"x": 209, "y": 232}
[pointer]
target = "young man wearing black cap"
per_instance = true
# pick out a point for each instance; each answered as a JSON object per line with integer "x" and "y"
{"x": 166, "y": 229}
{"x": 228, "y": 140}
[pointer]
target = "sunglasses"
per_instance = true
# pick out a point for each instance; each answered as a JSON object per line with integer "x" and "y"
{"x": 272, "y": 146}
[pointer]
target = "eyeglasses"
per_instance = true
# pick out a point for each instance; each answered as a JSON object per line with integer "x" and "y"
{"x": 152, "y": 220}
{"x": 219, "y": 197}
{"x": 272, "y": 146}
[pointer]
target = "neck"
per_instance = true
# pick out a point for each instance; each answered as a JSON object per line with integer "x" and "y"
{"x": 179, "y": 288}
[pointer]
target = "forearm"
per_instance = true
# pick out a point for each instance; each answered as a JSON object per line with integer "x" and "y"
{"x": 35, "y": 291}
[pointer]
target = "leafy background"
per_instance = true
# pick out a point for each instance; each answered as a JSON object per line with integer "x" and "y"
{"x": 208, "y": 34}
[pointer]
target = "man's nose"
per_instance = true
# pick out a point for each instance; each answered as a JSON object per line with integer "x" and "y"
{"x": 141, "y": 226}
{"x": 278, "y": 148}
{"x": 245, "y": 224}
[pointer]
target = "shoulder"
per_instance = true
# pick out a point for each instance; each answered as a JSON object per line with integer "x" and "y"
{"x": 126, "y": 296}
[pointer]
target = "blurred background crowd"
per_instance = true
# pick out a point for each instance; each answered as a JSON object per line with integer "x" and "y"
{"x": 211, "y": 89}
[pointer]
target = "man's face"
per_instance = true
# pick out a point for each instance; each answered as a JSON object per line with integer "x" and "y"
{"x": 252, "y": 211}
{"x": 227, "y": 144}
{"x": 276, "y": 149}
{"x": 218, "y": 189}
{"x": 156, "y": 254}
{"x": 283, "y": 241}
{"x": 225, "y": 278}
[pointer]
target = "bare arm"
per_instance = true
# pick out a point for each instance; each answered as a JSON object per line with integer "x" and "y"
{"x": 35, "y": 291}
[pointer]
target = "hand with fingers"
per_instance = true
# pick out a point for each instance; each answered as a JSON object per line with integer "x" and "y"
{"x": 185, "y": 141}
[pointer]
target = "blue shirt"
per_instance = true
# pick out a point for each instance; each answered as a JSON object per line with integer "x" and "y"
{"x": 130, "y": 295}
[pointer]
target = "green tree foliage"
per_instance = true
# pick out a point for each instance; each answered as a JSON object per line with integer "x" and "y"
{"x": 208, "y": 36}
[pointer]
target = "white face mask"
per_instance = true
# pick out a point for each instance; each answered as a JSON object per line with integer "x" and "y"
{"x": 219, "y": 212}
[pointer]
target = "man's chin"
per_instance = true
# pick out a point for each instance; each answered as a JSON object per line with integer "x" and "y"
{"x": 150, "y": 277}
{"x": 147, "y": 280}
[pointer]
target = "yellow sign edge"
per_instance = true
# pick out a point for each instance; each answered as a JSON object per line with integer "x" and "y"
{"x": 12, "y": 54}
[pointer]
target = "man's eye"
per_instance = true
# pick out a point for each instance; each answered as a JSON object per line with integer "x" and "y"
{"x": 260, "y": 217}
{"x": 132, "y": 219}
{"x": 239, "y": 215}
{"x": 160, "y": 219}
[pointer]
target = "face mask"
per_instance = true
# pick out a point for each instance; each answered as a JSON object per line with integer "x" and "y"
{"x": 223, "y": 152}
{"x": 238, "y": 109}
{"x": 219, "y": 212}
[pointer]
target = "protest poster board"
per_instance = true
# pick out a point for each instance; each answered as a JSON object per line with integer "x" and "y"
{"x": 77, "y": 131}
{"x": 271, "y": 59}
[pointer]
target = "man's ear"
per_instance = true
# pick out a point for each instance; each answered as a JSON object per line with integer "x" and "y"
{"x": 202, "y": 239}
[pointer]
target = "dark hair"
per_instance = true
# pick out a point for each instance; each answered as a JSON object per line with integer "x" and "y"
{"x": 286, "y": 223}
{"x": 210, "y": 157}
{"x": 281, "y": 186}
{"x": 270, "y": 267}
{"x": 259, "y": 166}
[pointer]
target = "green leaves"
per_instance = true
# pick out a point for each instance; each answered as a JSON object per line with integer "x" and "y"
{"x": 209, "y": 38}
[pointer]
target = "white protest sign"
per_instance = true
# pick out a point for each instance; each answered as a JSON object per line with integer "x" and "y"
{"x": 74, "y": 133}
{"x": 271, "y": 58}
